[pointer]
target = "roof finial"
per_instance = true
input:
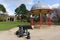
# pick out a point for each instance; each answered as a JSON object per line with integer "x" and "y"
{"x": 38, "y": 1}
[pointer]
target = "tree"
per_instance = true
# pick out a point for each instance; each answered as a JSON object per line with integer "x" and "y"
{"x": 2, "y": 8}
{"x": 21, "y": 11}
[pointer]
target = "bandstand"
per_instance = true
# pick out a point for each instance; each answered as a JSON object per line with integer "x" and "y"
{"x": 41, "y": 9}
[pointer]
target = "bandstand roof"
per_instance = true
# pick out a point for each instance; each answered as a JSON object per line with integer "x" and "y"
{"x": 39, "y": 5}
{"x": 40, "y": 8}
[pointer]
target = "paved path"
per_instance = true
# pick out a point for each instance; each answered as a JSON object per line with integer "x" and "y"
{"x": 52, "y": 33}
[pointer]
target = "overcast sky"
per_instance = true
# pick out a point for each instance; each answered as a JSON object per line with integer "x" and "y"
{"x": 11, "y": 5}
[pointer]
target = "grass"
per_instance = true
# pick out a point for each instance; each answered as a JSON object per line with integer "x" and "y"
{"x": 9, "y": 25}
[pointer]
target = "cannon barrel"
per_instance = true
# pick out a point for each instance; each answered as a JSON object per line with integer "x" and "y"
{"x": 25, "y": 26}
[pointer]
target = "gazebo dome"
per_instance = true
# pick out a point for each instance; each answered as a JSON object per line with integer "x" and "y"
{"x": 39, "y": 5}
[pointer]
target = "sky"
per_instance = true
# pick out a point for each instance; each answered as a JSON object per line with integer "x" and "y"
{"x": 11, "y": 5}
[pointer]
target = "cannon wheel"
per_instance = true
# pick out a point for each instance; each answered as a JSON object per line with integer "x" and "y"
{"x": 28, "y": 36}
{"x": 16, "y": 32}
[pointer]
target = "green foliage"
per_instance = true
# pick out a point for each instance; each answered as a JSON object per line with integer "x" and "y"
{"x": 2, "y": 8}
{"x": 21, "y": 11}
{"x": 36, "y": 18}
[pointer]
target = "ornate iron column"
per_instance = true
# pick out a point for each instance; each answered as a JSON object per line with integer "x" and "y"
{"x": 32, "y": 21}
{"x": 49, "y": 20}
{"x": 40, "y": 23}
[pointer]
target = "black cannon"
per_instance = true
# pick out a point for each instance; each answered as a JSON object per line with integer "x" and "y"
{"x": 23, "y": 29}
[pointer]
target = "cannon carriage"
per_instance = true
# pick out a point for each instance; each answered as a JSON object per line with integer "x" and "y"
{"x": 23, "y": 31}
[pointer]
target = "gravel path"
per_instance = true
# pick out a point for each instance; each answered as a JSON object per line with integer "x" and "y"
{"x": 52, "y": 33}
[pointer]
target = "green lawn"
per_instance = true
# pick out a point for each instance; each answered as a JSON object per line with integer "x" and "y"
{"x": 9, "y": 25}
